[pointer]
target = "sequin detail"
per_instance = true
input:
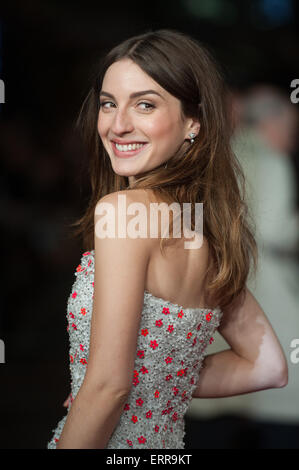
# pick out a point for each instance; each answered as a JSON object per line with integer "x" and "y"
{"x": 172, "y": 342}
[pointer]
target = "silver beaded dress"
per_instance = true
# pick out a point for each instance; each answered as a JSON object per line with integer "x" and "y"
{"x": 171, "y": 347}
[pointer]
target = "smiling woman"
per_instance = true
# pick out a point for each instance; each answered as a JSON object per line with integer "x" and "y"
{"x": 157, "y": 127}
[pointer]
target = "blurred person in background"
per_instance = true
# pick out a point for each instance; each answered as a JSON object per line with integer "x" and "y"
{"x": 265, "y": 138}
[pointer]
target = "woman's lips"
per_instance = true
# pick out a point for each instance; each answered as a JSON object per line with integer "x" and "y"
{"x": 128, "y": 153}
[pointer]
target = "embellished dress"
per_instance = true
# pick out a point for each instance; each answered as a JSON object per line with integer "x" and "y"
{"x": 171, "y": 347}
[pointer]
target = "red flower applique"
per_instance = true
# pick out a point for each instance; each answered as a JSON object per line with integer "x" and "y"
{"x": 165, "y": 311}
{"x": 168, "y": 377}
{"x": 156, "y": 428}
{"x": 144, "y": 370}
{"x": 79, "y": 268}
{"x": 149, "y": 414}
{"x": 71, "y": 358}
{"x": 140, "y": 354}
{"x": 180, "y": 314}
{"x": 83, "y": 311}
{"x": 74, "y": 295}
{"x": 74, "y": 326}
{"x": 170, "y": 328}
{"x": 174, "y": 416}
{"x": 81, "y": 347}
{"x": 159, "y": 323}
{"x": 144, "y": 332}
{"x": 141, "y": 439}
{"x": 56, "y": 440}
{"x": 83, "y": 361}
{"x": 189, "y": 335}
{"x": 86, "y": 253}
{"x": 89, "y": 263}
{"x": 209, "y": 316}
{"x": 135, "y": 381}
{"x": 71, "y": 315}
{"x": 139, "y": 402}
{"x": 136, "y": 373}
{"x": 129, "y": 442}
{"x": 211, "y": 340}
{"x": 194, "y": 341}
{"x": 134, "y": 419}
{"x": 153, "y": 344}
{"x": 175, "y": 390}
{"x": 168, "y": 360}
{"x": 126, "y": 407}
{"x": 157, "y": 393}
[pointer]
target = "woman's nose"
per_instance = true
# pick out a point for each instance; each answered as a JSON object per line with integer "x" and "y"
{"x": 122, "y": 122}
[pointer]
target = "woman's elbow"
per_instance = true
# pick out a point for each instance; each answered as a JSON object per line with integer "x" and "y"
{"x": 283, "y": 377}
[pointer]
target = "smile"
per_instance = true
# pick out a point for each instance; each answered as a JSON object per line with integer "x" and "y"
{"x": 129, "y": 150}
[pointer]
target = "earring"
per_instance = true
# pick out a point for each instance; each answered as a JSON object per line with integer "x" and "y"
{"x": 192, "y": 135}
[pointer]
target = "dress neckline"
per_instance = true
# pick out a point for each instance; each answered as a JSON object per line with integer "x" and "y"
{"x": 176, "y": 306}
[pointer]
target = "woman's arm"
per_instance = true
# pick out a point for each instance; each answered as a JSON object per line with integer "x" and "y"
{"x": 255, "y": 361}
{"x": 119, "y": 280}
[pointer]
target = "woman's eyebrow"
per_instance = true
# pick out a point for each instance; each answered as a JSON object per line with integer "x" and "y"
{"x": 134, "y": 95}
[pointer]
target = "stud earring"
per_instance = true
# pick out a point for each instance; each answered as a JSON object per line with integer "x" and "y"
{"x": 192, "y": 135}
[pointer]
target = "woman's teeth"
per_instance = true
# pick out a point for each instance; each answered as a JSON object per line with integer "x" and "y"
{"x": 125, "y": 148}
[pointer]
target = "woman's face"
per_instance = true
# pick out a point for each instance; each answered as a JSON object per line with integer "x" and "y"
{"x": 151, "y": 120}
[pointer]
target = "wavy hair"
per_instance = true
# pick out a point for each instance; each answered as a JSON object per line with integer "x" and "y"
{"x": 207, "y": 172}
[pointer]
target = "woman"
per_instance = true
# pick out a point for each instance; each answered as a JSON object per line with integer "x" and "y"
{"x": 135, "y": 357}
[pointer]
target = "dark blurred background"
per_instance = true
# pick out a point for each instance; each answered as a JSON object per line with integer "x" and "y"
{"x": 47, "y": 53}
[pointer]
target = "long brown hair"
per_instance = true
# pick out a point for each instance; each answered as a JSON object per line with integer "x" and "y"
{"x": 207, "y": 172}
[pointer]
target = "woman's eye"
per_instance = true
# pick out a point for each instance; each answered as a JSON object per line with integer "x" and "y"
{"x": 102, "y": 104}
{"x": 147, "y": 104}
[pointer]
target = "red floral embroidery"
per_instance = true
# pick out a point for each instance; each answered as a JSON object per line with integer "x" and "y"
{"x": 180, "y": 314}
{"x": 168, "y": 377}
{"x": 86, "y": 253}
{"x": 81, "y": 347}
{"x": 144, "y": 370}
{"x": 56, "y": 440}
{"x": 74, "y": 295}
{"x": 129, "y": 442}
{"x": 189, "y": 335}
{"x": 142, "y": 439}
{"x": 144, "y": 332}
{"x": 139, "y": 402}
{"x": 71, "y": 315}
{"x": 140, "y": 354}
{"x": 134, "y": 419}
{"x": 71, "y": 358}
{"x": 79, "y": 268}
{"x": 165, "y": 311}
{"x": 159, "y": 323}
{"x": 209, "y": 316}
{"x": 194, "y": 341}
{"x": 168, "y": 403}
{"x": 126, "y": 407}
{"x": 93, "y": 286}
{"x": 211, "y": 340}
{"x": 170, "y": 328}
{"x": 164, "y": 412}
{"x": 135, "y": 381}
{"x": 174, "y": 416}
{"x": 149, "y": 414}
{"x": 157, "y": 393}
{"x": 83, "y": 361}
{"x": 74, "y": 326}
{"x": 154, "y": 344}
{"x": 199, "y": 327}
{"x": 83, "y": 311}
{"x": 175, "y": 390}
{"x": 136, "y": 373}
{"x": 168, "y": 360}
{"x": 156, "y": 428}
{"x": 89, "y": 263}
